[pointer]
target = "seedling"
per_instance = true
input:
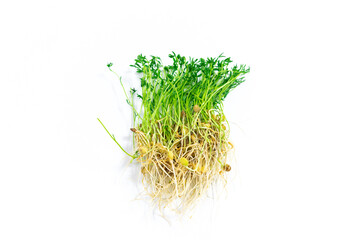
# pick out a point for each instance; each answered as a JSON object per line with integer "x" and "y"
{"x": 181, "y": 136}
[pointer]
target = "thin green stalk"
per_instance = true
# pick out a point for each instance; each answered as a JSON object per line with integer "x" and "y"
{"x": 113, "y": 138}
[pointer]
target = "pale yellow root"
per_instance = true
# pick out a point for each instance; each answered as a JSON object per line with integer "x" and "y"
{"x": 174, "y": 182}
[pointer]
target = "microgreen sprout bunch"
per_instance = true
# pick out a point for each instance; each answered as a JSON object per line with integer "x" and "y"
{"x": 180, "y": 131}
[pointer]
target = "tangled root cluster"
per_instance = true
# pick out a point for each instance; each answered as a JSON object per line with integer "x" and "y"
{"x": 177, "y": 173}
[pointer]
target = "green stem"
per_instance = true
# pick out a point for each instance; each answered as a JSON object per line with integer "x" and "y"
{"x": 113, "y": 138}
{"x": 127, "y": 98}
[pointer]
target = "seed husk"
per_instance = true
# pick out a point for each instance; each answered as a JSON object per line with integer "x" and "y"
{"x": 227, "y": 167}
{"x": 202, "y": 169}
{"x": 197, "y": 108}
{"x": 143, "y": 150}
{"x": 207, "y": 125}
{"x": 170, "y": 155}
{"x": 183, "y": 161}
{"x": 143, "y": 170}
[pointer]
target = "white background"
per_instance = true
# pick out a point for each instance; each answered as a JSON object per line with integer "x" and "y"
{"x": 295, "y": 121}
